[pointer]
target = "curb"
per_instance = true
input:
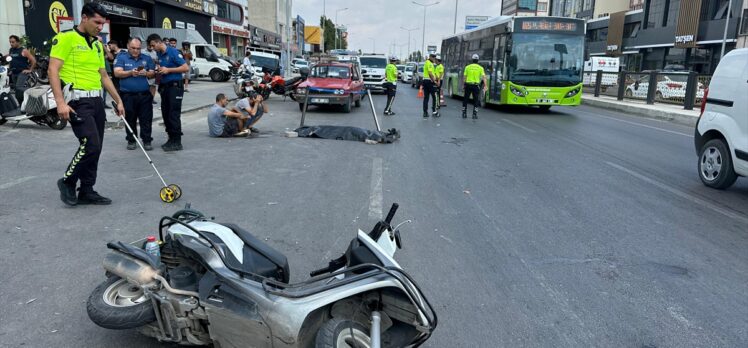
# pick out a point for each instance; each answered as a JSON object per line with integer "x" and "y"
{"x": 116, "y": 124}
{"x": 637, "y": 110}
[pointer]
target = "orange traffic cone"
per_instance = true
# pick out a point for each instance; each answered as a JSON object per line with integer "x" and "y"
{"x": 441, "y": 99}
{"x": 420, "y": 92}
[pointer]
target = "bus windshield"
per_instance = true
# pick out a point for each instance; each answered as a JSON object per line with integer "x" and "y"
{"x": 546, "y": 60}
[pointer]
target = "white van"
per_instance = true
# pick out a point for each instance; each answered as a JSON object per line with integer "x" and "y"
{"x": 609, "y": 67}
{"x": 207, "y": 59}
{"x": 721, "y": 136}
{"x": 372, "y": 68}
{"x": 264, "y": 60}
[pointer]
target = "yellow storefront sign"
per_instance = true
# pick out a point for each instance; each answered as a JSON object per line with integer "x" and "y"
{"x": 57, "y": 9}
{"x": 166, "y": 24}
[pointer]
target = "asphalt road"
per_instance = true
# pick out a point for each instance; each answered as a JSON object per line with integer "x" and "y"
{"x": 576, "y": 228}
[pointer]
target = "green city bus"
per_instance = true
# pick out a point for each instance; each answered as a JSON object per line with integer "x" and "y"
{"x": 532, "y": 61}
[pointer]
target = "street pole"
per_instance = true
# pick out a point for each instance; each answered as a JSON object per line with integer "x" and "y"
{"x": 409, "y": 30}
{"x": 287, "y": 62}
{"x": 336, "y": 25}
{"x": 423, "y": 36}
{"x": 727, "y": 24}
{"x": 454, "y": 31}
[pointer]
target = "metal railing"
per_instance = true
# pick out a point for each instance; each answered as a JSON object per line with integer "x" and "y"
{"x": 679, "y": 88}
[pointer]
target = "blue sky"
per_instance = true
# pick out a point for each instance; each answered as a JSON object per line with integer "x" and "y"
{"x": 382, "y": 20}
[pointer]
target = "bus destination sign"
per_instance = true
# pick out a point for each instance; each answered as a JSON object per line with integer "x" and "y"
{"x": 544, "y": 25}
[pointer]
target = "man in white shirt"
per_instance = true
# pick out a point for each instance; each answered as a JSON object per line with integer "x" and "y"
{"x": 247, "y": 62}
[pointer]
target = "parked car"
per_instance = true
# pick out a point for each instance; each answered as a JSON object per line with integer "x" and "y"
{"x": 297, "y": 64}
{"x": 669, "y": 86}
{"x": 415, "y": 82}
{"x": 721, "y": 136}
{"x": 408, "y": 72}
{"x": 332, "y": 83}
{"x": 208, "y": 61}
{"x": 400, "y": 70}
{"x": 265, "y": 61}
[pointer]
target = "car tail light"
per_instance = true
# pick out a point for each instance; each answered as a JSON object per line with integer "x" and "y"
{"x": 703, "y": 101}
{"x": 674, "y": 85}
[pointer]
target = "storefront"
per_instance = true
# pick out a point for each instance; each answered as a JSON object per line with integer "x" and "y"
{"x": 264, "y": 40}
{"x": 185, "y": 14}
{"x": 666, "y": 35}
{"x": 42, "y": 18}
{"x": 230, "y": 33}
{"x": 124, "y": 14}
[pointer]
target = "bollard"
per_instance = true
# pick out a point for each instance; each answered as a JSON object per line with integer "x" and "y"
{"x": 373, "y": 110}
{"x": 652, "y": 90}
{"x": 692, "y": 85}
{"x": 621, "y": 84}
{"x": 303, "y": 111}
{"x": 598, "y": 81}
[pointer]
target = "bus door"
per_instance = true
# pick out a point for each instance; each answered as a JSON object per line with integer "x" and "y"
{"x": 463, "y": 58}
{"x": 497, "y": 62}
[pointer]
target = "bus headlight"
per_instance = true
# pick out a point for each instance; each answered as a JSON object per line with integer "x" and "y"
{"x": 573, "y": 92}
{"x": 516, "y": 91}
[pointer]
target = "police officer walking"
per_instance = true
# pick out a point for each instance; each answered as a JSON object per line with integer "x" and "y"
{"x": 171, "y": 67}
{"x": 133, "y": 70}
{"x": 439, "y": 72}
{"x": 429, "y": 87}
{"x": 77, "y": 59}
{"x": 390, "y": 85}
{"x": 21, "y": 66}
{"x": 473, "y": 76}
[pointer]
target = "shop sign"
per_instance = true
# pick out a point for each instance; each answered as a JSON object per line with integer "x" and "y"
{"x": 261, "y": 37}
{"x": 166, "y": 24}
{"x": 56, "y": 9}
{"x": 230, "y": 31}
{"x": 684, "y": 39}
{"x": 123, "y": 10}
{"x": 191, "y": 26}
{"x": 179, "y": 24}
{"x": 687, "y": 26}
{"x": 208, "y": 7}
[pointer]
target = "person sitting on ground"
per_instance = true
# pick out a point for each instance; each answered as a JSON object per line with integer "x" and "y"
{"x": 223, "y": 123}
{"x": 253, "y": 107}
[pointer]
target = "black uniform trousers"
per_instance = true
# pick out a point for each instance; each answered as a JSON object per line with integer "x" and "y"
{"x": 89, "y": 129}
{"x": 429, "y": 91}
{"x": 171, "y": 108}
{"x": 472, "y": 89}
{"x": 138, "y": 109}
{"x": 390, "y": 88}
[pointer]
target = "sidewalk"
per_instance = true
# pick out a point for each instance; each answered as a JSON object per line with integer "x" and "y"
{"x": 202, "y": 94}
{"x": 661, "y": 111}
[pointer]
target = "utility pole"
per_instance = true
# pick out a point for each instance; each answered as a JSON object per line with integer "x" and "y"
{"x": 288, "y": 38}
{"x": 409, "y": 30}
{"x": 454, "y": 31}
{"x": 337, "y": 26}
{"x": 423, "y": 36}
{"x": 727, "y": 24}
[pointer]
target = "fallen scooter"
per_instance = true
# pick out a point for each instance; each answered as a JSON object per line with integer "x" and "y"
{"x": 216, "y": 284}
{"x": 39, "y": 105}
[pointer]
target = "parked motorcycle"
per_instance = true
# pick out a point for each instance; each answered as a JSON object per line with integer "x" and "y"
{"x": 217, "y": 284}
{"x": 286, "y": 88}
{"x": 42, "y": 64}
{"x": 38, "y": 106}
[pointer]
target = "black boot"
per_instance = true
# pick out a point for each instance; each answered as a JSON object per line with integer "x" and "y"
{"x": 174, "y": 144}
{"x": 464, "y": 112}
{"x": 475, "y": 113}
{"x": 67, "y": 192}
{"x": 167, "y": 144}
{"x": 89, "y": 196}
{"x": 425, "y": 114}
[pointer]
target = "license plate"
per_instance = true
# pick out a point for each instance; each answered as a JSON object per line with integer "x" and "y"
{"x": 549, "y": 101}
{"x": 320, "y": 100}
{"x": 370, "y": 86}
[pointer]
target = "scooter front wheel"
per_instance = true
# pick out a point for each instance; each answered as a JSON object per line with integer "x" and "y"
{"x": 343, "y": 333}
{"x": 55, "y": 122}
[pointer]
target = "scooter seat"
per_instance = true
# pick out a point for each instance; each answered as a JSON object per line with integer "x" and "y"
{"x": 260, "y": 258}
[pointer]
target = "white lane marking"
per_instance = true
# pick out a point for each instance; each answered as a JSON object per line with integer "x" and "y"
{"x": 518, "y": 125}
{"x": 674, "y": 312}
{"x": 646, "y": 126}
{"x": 375, "y": 196}
{"x": 682, "y": 194}
{"x": 16, "y": 182}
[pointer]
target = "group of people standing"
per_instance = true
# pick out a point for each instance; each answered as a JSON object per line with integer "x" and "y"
{"x": 78, "y": 60}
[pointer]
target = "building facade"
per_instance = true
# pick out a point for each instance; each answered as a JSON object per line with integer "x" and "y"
{"x": 524, "y": 8}
{"x": 667, "y": 34}
{"x": 11, "y": 22}
{"x": 603, "y": 8}
{"x": 743, "y": 32}
{"x": 230, "y": 27}
{"x": 574, "y": 8}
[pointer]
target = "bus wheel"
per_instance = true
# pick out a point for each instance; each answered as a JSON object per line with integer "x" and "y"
{"x": 544, "y": 108}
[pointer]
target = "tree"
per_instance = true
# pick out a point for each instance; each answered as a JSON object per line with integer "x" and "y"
{"x": 415, "y": 56}
{"x": 328, "y": 27}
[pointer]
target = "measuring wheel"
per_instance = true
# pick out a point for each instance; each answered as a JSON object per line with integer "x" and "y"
{"x": 167, "y": 194}
{"x": 177, "y": 191}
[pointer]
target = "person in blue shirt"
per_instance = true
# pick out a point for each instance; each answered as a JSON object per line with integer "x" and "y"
{"x": 133, "y": 70}
{"x": 171, "y": 66}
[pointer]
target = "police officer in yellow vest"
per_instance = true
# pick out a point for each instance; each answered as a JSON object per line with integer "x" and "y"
{"x": 429, "y": 87}
{"x": 473, "y": 75}
{"x": 439, "y": 70}
{"x": 390, "y": 85}
{"x": 77, "y": 59}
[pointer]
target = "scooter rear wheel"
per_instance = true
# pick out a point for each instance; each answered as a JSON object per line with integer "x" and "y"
{"x": 116, "y": 304}
{"x": 343, "y": 333}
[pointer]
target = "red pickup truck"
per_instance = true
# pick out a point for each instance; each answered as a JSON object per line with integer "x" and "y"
{"x": 333, "y": 83}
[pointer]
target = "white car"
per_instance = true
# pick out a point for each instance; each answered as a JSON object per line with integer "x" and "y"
{"x": 372, "y": 68}
{"x": 669, "y": 86}
{"x": 408, "y": 73}
{"x": 297, "y": 64}
{"x": 206, "y": 60}
{"x": 721, "y": 136}
{"x": 265, "y": 60}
